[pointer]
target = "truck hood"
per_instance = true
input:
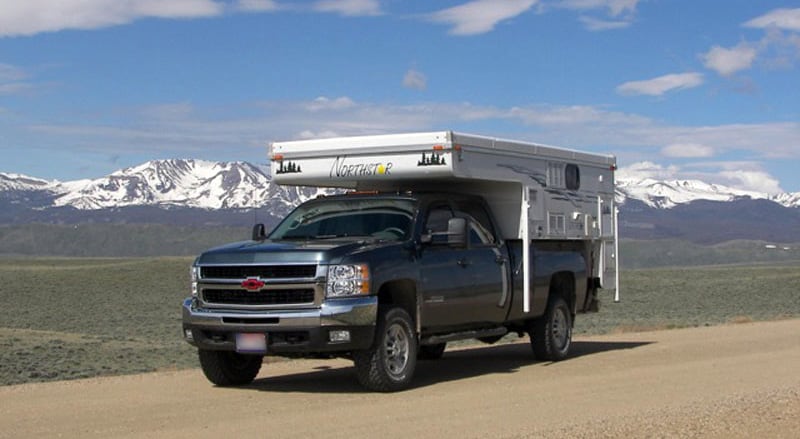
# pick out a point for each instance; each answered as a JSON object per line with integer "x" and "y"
{"x": 284, "y": 252}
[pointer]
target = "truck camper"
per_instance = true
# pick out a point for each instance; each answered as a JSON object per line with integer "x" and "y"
{"x": 438, "y": 236}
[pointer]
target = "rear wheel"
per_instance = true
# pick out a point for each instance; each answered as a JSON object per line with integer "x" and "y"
{"x": 389, "y": 364}
{"x": 551, "y": 334}
{"x": 225, "y": 368}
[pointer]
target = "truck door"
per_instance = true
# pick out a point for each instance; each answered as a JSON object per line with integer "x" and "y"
{"x": 462, "y": 286}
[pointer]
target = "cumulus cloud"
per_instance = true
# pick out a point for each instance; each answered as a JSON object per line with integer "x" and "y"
{"x": 688, "y": 150}
{"x": 744, "y": 176}
{"x": 662, "y": 84}
{"x": 647, "y": 170}
{"x": 349, "y": 8}
{"x": 480, "y": 16}
{"x": 729, "y": 61}
{"x": 29, "y": 17}
{"x": 787, "y": 19}
{"x": 415, "y": 80}
{"x": 750, "y": 180}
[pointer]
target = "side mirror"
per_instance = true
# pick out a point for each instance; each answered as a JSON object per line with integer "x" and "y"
{"x": 457, "y": 232}
{"x": 259, "y": 232}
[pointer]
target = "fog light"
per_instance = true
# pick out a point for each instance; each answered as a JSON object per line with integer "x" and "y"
{"x": 339, "y": 336}
{"x": 187, "y": 334}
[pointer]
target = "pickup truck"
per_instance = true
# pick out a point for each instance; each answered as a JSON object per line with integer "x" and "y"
{"x": 385, "y": 279}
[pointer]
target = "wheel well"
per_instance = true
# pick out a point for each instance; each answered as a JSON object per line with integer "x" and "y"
{"x": 402, "y": 293}
{"x": 563, "y": 284}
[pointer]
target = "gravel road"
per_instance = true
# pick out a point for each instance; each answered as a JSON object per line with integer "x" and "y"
{"x": 718, "y": 382}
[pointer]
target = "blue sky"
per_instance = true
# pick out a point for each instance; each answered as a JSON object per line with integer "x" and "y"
{"x": 675, "y": 88}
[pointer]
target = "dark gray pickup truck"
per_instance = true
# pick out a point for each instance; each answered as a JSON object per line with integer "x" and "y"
{"x": 384, "y": 279}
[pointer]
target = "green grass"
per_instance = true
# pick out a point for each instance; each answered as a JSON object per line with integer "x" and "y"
{"x": 66, "y": 318}
{"x": 700, "y": 296}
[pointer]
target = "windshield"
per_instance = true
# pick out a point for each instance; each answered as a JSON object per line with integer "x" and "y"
{"x": 386, "y": 219}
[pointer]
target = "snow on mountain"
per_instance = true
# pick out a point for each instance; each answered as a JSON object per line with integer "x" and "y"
{"x": 240, "y": 185}
{"x": 668, "y": 194}
{"x": 790, "y": 199}
{"x": 18, "y": 182}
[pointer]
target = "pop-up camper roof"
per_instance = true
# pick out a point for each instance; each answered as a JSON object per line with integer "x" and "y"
{"x": 407, "y": 160}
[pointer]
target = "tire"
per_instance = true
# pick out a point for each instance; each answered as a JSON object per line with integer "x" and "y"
{"x": 225, "y": 368}
{"x": 432, "y": 351}
{"x": 551, "y": 334}
{"x": 389, "y": 364}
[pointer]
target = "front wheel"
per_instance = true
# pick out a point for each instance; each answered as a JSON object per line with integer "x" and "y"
{"x": 551, "y": 334}
{"x": 225, "y": 368}
{"x": 389, "y": 364}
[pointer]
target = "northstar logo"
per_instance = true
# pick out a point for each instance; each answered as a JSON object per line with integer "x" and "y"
{"x": 342, "y": 169}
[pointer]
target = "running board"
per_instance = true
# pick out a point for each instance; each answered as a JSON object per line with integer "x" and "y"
{"x": 464, "y": 335}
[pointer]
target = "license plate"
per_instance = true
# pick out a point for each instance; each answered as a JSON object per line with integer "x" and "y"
{"x": 247, "y": 343}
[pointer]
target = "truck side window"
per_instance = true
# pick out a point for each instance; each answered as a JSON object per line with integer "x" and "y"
{"x": 481, "y": 231}
{"x": 437, "y": 219}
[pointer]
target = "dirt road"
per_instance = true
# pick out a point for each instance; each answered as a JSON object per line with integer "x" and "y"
{"x": 729, "y": 381}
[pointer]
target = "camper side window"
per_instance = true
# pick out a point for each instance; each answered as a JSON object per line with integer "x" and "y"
{"x": 572, "y": 176}
{"x": 555, "y": 175}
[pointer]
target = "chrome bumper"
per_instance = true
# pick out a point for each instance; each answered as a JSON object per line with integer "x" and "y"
{"x": 210, "y": 327}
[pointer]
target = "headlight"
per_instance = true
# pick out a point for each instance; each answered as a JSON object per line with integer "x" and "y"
{"x": 347, "y": 280}
{"x": 193, "y": 275}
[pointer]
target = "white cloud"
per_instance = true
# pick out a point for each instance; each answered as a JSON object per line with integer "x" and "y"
{"x": 729, "y": 61}
{"x": 480, "y": 16}
{"x": 688, "y": 150}
{"x": 596, "y": 24}
{"x": 787, "y": 19}
{"x": 323, "y": 103}
{"x": 744, "y": 176}
{"x": 662, "y": 84}
{"x": 415, "y": 80}
{"x": 29, "y": 17}
{"x": 757, "y": 181}
{"x": 349, "y": 8}
{"x": 647, "y": 170}
{"x": 240, "y": 133}
{"x": 620, "y": 12}
{"x": 256, "y": 5}
{"x": 615, "y": 7}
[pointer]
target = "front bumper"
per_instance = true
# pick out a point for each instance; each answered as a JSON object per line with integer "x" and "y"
{"x": 302, "y": 331}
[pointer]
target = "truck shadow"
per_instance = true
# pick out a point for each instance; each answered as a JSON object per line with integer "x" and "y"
{"x": 454, "y": 365}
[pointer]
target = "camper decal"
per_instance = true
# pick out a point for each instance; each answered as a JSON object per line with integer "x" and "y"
{"x": 288, "y": 168}
{"x": 433, "y": 160}
{"x": 344, "y": 168}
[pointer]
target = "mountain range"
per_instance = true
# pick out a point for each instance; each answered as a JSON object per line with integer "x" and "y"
{"x": 198, "y": 192}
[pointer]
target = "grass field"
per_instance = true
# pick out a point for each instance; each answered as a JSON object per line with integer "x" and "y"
{"x": 66, "y": 318}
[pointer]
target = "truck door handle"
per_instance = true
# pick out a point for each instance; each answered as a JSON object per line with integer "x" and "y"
{"x": 463, "y": 263}
{"x": 501, "y": 259}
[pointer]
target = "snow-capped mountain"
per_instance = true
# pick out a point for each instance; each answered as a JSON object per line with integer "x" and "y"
{"x": 241, "y": 185}
{"x": 170, "y": 183}
{"x": 668, "y": 194}
{"x": 237, "y": 194}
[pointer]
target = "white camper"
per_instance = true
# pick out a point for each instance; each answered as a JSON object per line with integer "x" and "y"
{"x": 537, "y": 192}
